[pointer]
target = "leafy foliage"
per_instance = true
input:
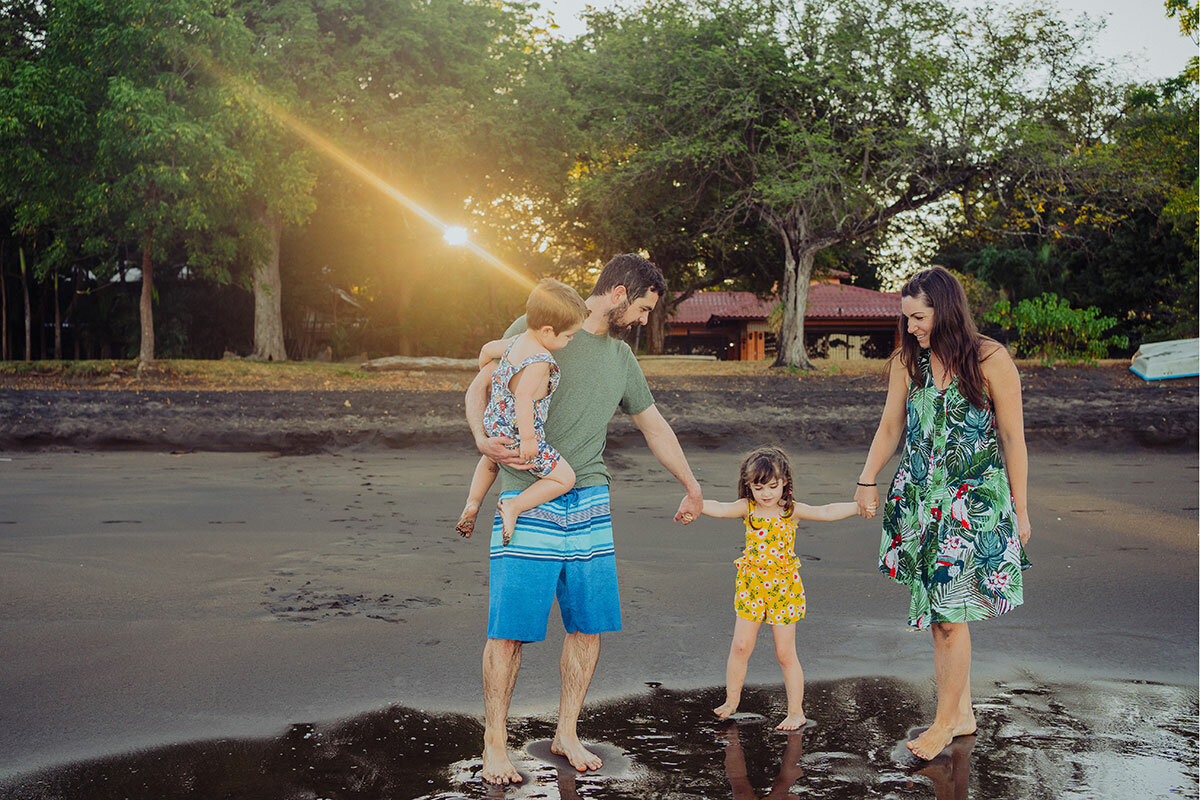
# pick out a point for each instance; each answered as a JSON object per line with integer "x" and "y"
{"x": 1046, "y": 327}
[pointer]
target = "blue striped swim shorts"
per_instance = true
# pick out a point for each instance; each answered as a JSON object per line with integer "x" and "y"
{"x": 562, "y": 550}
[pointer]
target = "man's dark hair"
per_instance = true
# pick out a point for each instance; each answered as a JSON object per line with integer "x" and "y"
{"x": 635, "y": 273}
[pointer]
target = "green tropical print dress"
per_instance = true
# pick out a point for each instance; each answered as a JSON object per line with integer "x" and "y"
{"x": 949, "y": 528}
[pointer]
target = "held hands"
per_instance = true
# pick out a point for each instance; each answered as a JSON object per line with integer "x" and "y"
{"x": 867, "y": 498}
{"x": 690, "y": 507}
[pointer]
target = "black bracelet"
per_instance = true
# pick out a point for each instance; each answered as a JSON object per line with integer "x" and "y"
{"x": 867, "y": 484}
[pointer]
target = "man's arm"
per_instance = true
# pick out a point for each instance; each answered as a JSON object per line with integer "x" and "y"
{"x": 476, "y": 401}
{"x": 666, "y": 449}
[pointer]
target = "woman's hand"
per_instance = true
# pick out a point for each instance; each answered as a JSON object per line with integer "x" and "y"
{"x": 867, "y": 498}
{"x": 1024, "y": 530}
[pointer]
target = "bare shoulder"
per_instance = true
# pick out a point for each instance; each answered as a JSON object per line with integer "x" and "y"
{"x": 994, "y": 358}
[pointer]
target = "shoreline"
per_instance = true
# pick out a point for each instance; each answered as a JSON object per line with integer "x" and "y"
{"x": 156, "y": 598}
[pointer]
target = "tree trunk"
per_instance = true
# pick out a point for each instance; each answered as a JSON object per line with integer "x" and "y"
{"x": 3, "y": 308}
{"x": 146, "y": 307}
{"x": 268, "y": 287}
{"x": 797, "y": 270}
{"x": 656, "y": 328}
{"x": 28, "y": 312}
{"x": 57, "y": 322}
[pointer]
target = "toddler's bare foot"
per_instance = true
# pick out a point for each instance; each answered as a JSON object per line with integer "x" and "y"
{"x": 727, "y": 709}
{"x": 466, "y": 523}
{"x": 580, "y": 757}
{"x": 792, "y": 722}
{"x": 933, "y": 741}
{"x": 508, "y": 518}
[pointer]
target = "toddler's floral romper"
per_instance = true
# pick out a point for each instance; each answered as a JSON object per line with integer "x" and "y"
{"x": 500, "y": 415}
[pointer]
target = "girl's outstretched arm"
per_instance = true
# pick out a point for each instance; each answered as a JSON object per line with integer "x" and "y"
{"x": 737, "y": 508}
{"x": 829, "y": 512}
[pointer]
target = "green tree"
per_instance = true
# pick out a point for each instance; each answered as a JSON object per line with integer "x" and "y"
{"x": 826, "y": 120}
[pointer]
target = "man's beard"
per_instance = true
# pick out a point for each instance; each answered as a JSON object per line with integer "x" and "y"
{"x": 616, "y": 328}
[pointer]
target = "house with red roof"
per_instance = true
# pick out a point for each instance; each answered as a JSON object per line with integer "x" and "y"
{"x": 842, "y": 321}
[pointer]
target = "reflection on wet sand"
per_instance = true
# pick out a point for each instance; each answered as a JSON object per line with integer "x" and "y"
{"x": 790, "y": 768}
{"x": 1104, "y": 740}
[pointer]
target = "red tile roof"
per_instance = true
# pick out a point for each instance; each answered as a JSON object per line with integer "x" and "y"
{"x": 825, "y": 301}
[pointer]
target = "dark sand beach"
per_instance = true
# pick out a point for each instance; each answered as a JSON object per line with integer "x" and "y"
{"x": 249, "y": 625}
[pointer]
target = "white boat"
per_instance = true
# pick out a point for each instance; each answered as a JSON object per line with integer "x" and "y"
{"x": 1178, "y": 358}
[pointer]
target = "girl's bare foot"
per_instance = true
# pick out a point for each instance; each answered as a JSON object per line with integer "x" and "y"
{"x": 466, "y": 523}
{"x": 573, "y": 750}
{"x": 934, "y": 740}
{"x": 792, "y": 722}
{"x": 508, "y": 518}
{"x": 726, "y": 710}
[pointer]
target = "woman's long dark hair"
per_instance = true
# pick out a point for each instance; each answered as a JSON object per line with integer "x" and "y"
{"x": 763, "y": 465}
{"x": 955, "y": 339}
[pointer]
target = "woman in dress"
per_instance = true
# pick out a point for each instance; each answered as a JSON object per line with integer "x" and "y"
{"x": 955, "y": 519}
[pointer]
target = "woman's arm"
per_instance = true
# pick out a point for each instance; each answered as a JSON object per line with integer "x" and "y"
{"x": 887, "y": 436}
{"x": 738, "y": 508}
{"x": 830, "y": 512}
{"x": 1004, "y": 388}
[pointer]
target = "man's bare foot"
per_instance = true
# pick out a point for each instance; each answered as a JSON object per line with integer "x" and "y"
{"x": 466, "y": 523}
{"x": 727, "y": 709}
{"x": 573, "y": 750}
{"x": 497, "y": 768}
{"x": 792, "y": 722}
{"x": 933, "y": 741}
{"x": 508, "y": 518}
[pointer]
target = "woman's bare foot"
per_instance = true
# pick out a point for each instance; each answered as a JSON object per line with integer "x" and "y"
{"x": 497, "y": 768}
{"x": 792, "y": 722}
{"x": 726, "y": 710}
{"x": 967, "y": 726}
{"x": 573, "y": 750}
{"x": 466, "y": 523}
{"x": 508, "y": 518}
{"x": 935, "y": 739}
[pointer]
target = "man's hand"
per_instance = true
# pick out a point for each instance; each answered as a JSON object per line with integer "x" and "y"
{"x": 690, "y": 507}
{"x": 528, "y": 450}
{"x": 500, "y": 450}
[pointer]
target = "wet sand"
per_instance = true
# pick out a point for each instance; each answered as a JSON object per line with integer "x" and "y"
{"x": 148, "y": 601}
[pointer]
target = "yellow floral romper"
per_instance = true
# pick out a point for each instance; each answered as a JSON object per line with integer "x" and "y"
{"x": 768, "y": 573}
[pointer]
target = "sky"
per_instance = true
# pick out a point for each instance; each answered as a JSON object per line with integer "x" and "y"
{"x": 1138, "y": 31}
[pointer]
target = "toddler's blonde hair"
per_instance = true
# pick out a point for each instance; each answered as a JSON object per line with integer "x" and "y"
{"x": 555, "y": 304}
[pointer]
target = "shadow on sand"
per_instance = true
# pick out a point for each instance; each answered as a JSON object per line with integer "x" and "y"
{"x": 1103, "y": 740}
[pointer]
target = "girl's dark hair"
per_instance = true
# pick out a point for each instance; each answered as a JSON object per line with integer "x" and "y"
{"x": 955, "y": 339}
{"x": 763, "y": 465}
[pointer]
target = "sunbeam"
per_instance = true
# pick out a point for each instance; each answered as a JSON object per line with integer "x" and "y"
{"x": 453, "y": 234}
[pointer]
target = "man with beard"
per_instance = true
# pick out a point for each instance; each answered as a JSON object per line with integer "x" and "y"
{"x": 563, "y": 549}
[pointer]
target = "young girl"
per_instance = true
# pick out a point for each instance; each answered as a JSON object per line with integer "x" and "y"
{"x": 521, "y": 389}
{"x": 768, "y": 587}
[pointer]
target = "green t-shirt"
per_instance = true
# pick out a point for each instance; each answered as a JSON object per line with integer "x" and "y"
{"x": 598, "y": 374}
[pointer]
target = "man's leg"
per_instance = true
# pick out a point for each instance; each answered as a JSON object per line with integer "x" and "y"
{"x": 580, "y": 653}
{"x": 501, "y": 662}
